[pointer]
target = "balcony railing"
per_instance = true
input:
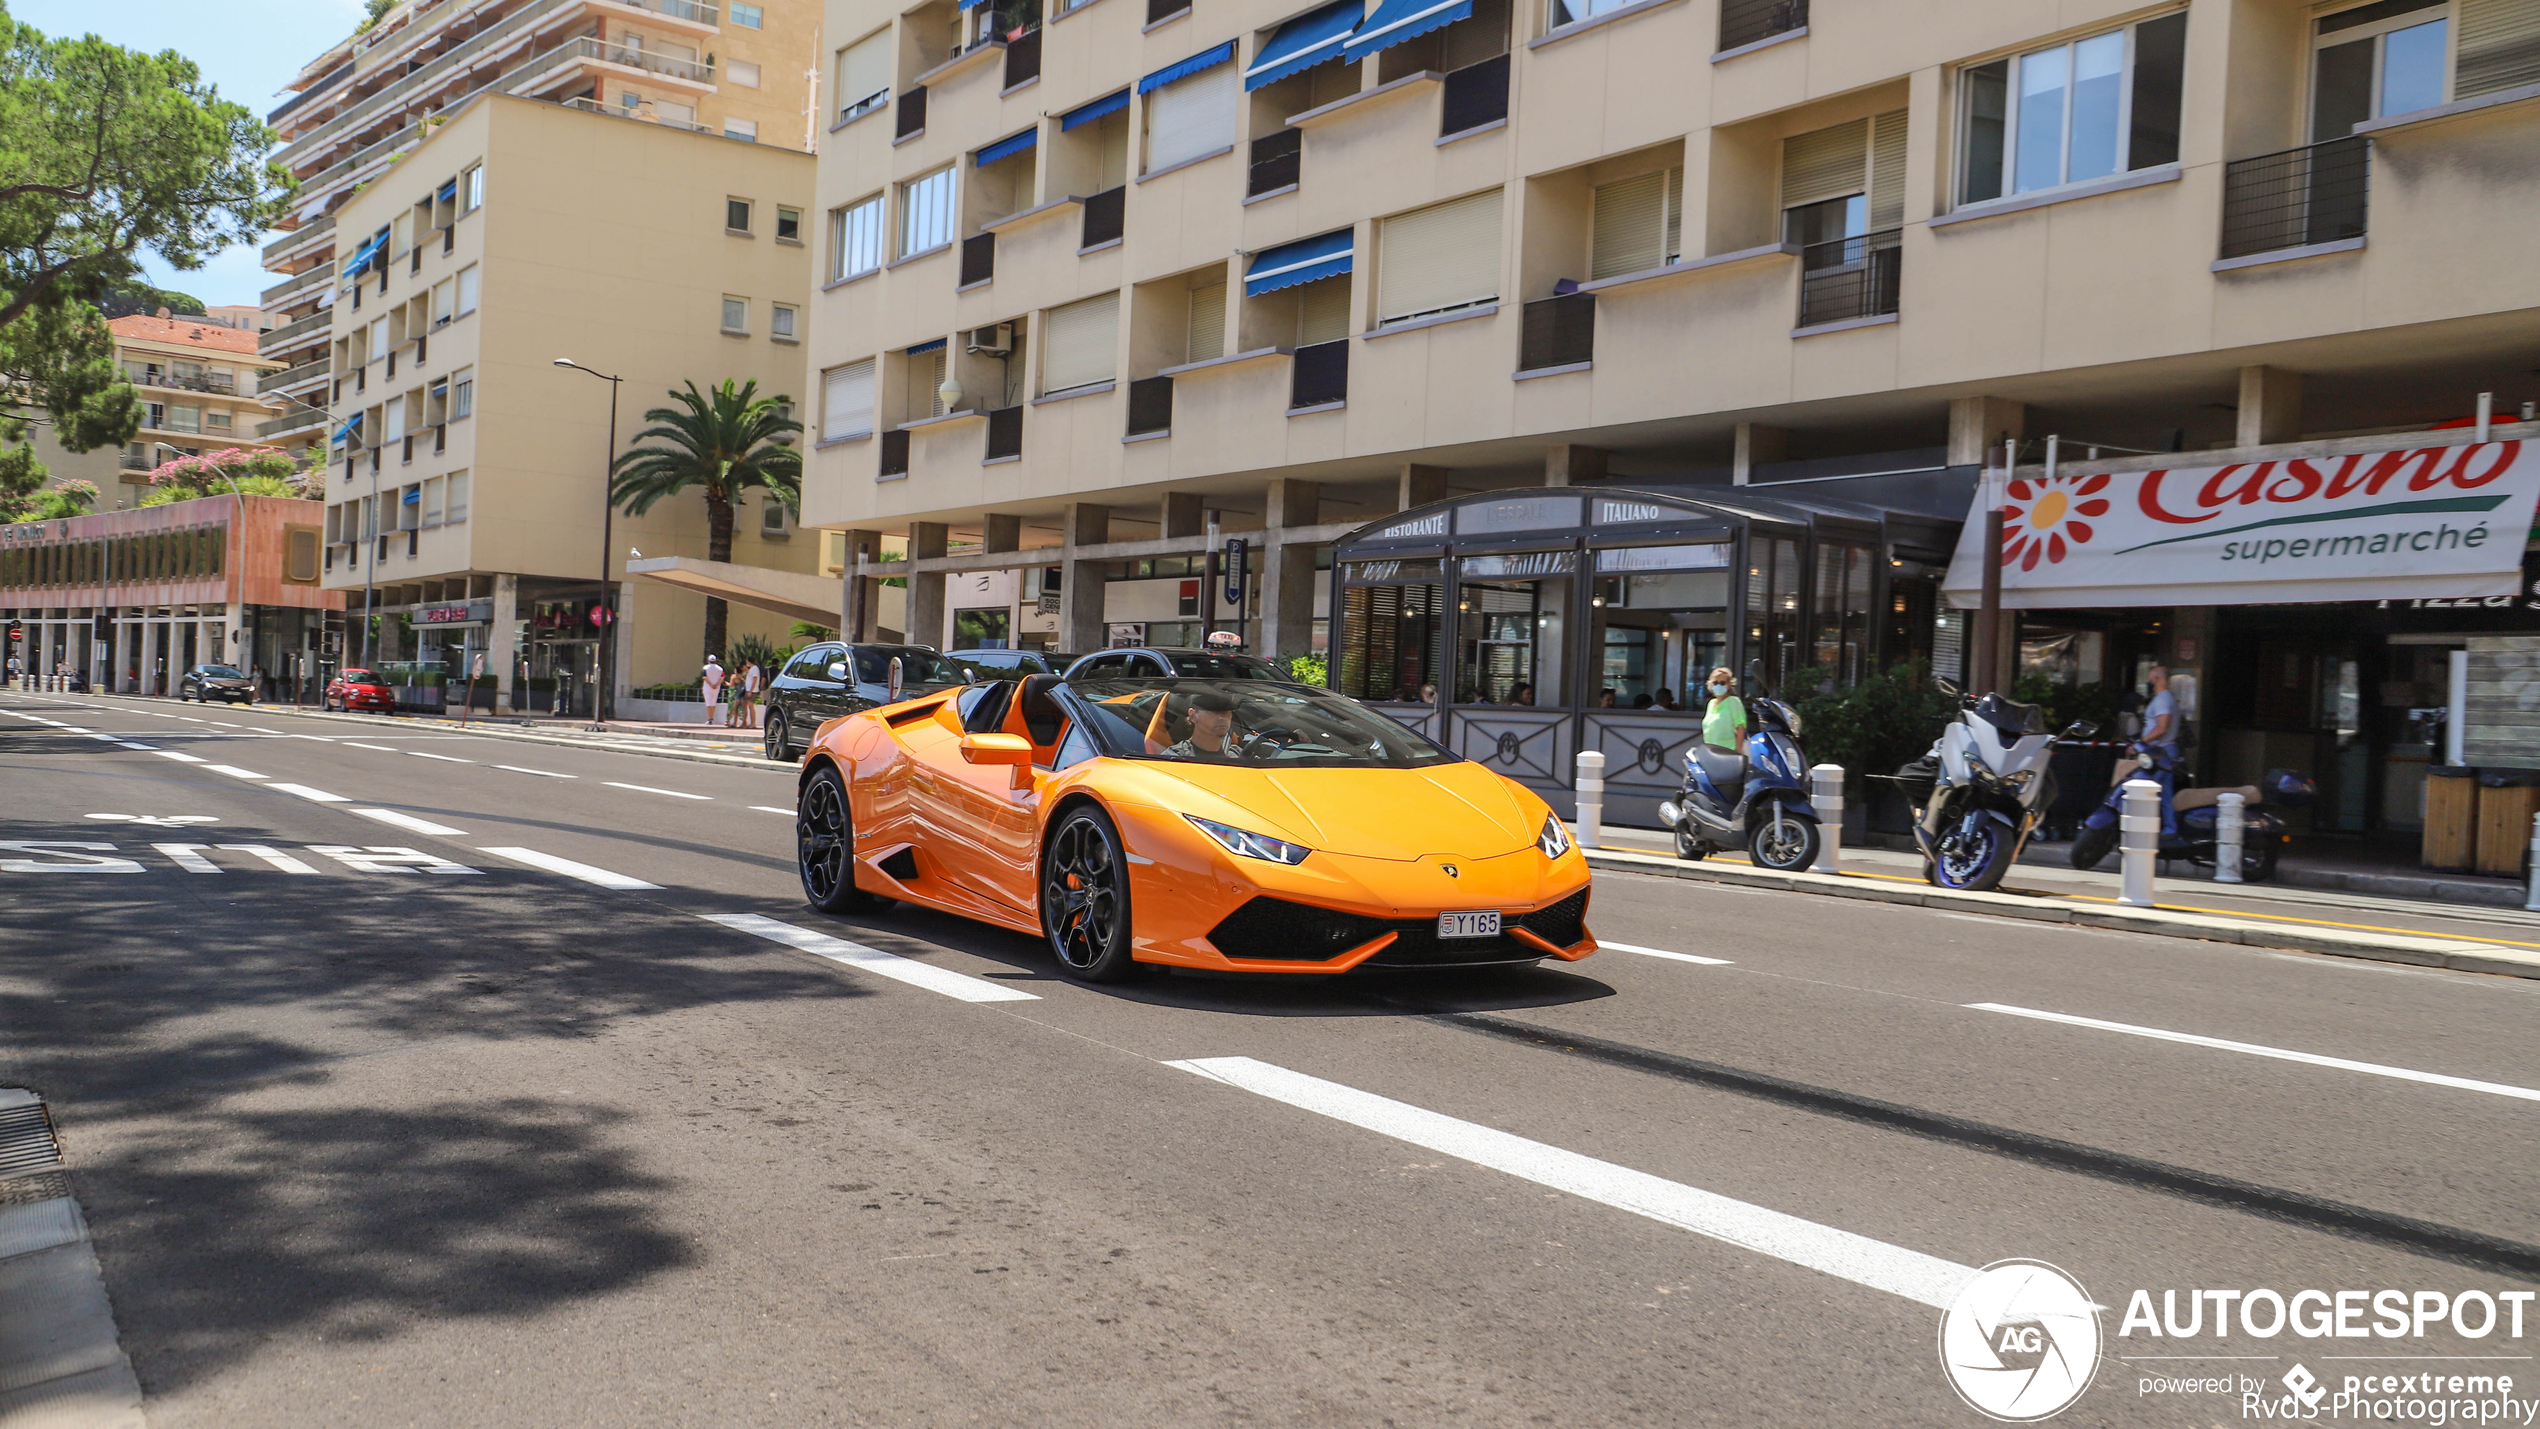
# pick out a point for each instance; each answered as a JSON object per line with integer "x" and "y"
{"x": 2315, "y": 194}
{"x": 290, "y": 334}
{"x": 894, "y": 446}
{"x": 1005, "y": 432}
{"x": 1743, "y": 22}
{"x": 1277, "y": 160}
{"x": 612, "y": 111}
{"x": 1106, "y": 216}
{"x": 308, "y": 232}
{"x": 978, "y": 258}
{"x": 312, "y": 92}
{"x": 223, "y": 385}
{"x": 130, "y": 461}
{"x": 1150, "y": 405}
{"x": 306, "y": 372}
{"x": 866, "y": 105}
{"x": 1476, "y": 95}
{"x": 300, "y": 421}
{"x": 688, "y": 10}
{"x": 1023, "y": 58}
{"x": 1320, "y": 375}
{"x": 605, "y": 52}
{"x": 912, "y": 113}
{"x": 1559, "y": 332}
{"x": 1847, "y": 278}
{"x": 298, "y": 283}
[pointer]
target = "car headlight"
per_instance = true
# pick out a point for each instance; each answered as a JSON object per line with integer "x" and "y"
{"x": 1244, "y": 843}
{"x": 1555, "y": 838}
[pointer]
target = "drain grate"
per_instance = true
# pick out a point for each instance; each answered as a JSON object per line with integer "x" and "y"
{"x": 26, "y": 1135}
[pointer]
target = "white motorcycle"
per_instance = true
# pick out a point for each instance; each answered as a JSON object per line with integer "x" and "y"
{"x": 1990, "y": 786}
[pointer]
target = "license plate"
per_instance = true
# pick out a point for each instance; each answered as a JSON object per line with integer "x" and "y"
{"x": 1468, "y": 925}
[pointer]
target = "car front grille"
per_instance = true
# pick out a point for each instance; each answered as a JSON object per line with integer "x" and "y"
{"x": 1276, "y": 930}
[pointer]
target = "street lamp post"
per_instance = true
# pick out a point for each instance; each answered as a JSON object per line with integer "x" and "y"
{"x": 604, "y": 699}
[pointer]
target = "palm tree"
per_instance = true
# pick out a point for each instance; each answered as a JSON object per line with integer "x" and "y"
{"x": 723, "y": 442}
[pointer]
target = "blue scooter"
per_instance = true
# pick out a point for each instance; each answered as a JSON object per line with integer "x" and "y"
{"x": 2195, "y": 816}
{"x": 1757, "y": 800}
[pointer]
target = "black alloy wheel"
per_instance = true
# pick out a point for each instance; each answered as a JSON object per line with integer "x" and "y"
{"x": 824, "y": 847}
{"x": 779, "y": 740}
{"x": 1085, "y": 898}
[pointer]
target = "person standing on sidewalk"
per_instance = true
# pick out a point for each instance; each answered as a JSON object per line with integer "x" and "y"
{"x": 2160, "y": 734}
{"x": 713, "y": 682}
{"x": 745, "y": 704}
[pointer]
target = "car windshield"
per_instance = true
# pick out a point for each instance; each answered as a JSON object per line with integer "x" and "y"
{"x": 222, "y": 672}
{"x": 358, "y": 677}
{"x": 1247, "y": 721}
{"x": 917, "y": 667}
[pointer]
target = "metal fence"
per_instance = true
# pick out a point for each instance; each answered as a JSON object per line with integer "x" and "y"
{"x": 1320, "y": 375}
{"x": 1848, "y": 278}
{"x": 1559, "y": 332}
{"x": 1743, "y": 22}
{"x": 2315, "y": 194}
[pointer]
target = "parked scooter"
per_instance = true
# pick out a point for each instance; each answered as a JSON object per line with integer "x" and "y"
{"x": 1990, "y": 786}
{"x": 1756, "y": 800}
{"x": 2197, "y": 813}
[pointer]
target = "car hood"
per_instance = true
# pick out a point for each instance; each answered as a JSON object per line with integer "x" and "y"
{"x": 1461, "y": 809}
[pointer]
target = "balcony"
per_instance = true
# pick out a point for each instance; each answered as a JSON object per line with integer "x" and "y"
{"x": 1751, "y": 22}
{"x": 295, "y": 333}
{"x": 312, "y": 92}
{"x": 1476, "y": 97}
{"x": 586, "y": 50}
{"x": 299, "y": 284}
{"x": 1005, "y": 433}
{"x": 296, "y": 377}
{"x": 307, "y": 420}
{"x": 223, "y": 385}
{"x": 449, "y": 238}
{"x": 1846, "y": 279}
{"x": 1023, "y": 58}
{"x": 978, "y": 258}
{"x": 132, "y": 461}
{"x": 2298, "y": 198}
{"x": 1320, "y": 375}
{"x": 1277, "y": 160}
{"x": 912, "y": 118}
{"x": 1150, "y": 406}
{"x": 1106, "y": 216}
{"x": 306, "y": 233}
{"x": 1559, "y": 332}
{"x": 894, "y": 447}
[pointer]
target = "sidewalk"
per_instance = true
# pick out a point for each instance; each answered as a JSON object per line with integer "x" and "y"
{"x": 693, "y": 743}
{"x": 61, "y": 1366}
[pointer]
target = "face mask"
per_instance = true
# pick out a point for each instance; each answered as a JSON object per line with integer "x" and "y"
{"x": 1719, "y": 692}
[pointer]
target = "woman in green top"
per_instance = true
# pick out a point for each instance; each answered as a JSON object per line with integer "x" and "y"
{"x": 1724, "y": 720}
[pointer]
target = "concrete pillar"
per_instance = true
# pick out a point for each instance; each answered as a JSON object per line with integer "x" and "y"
{"x": 1756, "y": 445}
{"x": 622, "y": 635}
{"x": 502, "y": 641}
{"x": 1182, "y": 515}
{"x": 859, "y": 595}
{"x": 1081, "y": 588}
{"x": 1420, "y": 485}
{"x": 241, "y": 651}
{"x": 926, "y": 541}
{"x": 1287, "y": 571}
{"x": 1979, "y": 425}
{"x": 1002, "y": 531}
{"x": 2270, "y": 406}
{"x": 1569, "y": 465}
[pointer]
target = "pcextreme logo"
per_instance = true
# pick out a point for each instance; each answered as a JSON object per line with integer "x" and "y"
{"x": 2021, "y": 1341}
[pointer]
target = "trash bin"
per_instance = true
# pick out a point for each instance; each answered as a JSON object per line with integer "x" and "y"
{"x": 2507, "y": 798}
{"x": 2451, "y": 818}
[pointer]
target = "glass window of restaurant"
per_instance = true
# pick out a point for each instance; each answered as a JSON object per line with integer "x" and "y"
{"x": 1772, "y": 605}
{"x": 1512, "y": 612}
{"x": 1391, "y": 618}
{"x": 1840, "y": 612}
{"x": 1658, "y": 622}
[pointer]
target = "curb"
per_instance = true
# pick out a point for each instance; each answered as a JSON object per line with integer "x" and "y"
{"x": 491, "y": 730}
{"x": 62, "y": 1365}
{"x": 2457, "y": 954}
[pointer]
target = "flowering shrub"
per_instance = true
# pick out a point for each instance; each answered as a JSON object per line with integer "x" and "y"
{"x": 257, "y": 472}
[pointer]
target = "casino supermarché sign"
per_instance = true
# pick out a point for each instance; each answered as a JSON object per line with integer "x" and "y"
{"x": 2416, "y": 523}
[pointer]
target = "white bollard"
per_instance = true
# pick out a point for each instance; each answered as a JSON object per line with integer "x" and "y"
{"x": 2231, "y": 824}
{"x": 1591, "y": 792}
{"x": 2531, "y": 899}
{"x": 1828, "y": 797}
{"x": 2139, "y": 835}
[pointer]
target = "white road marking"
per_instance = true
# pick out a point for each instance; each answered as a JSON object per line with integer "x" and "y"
{"x": 648, "y": 789}
{"x": 1663, "y": 953}
{"x": 280, "y": 860}
{"x": 541, "y": 773}
{"x": 191, "y": 719}
{"x": 60, "y": 857}
{"x": 444, "y": 758}
{"x": 189, "y": 857}
{"x": 410, "y": 823}
{"x": 315, "y": 796}
{"x": 162, "y": 821}
{"x": 384, "y": 749}
{"x": 772, "y": 809}
{"x": 233, "y": 771}
{"x": 2313, "y": 1059}
{"x": 225, "y": 724}
{"x": 128, "y": 744}
{"x": 178, "y": 754}
{"x": 1925, "y": 1279}
{"x": 600, "y": 876}
{"x": 873, "y": 960}
{"x": 379, "y": 858}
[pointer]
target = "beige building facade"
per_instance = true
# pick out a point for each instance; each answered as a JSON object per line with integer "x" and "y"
{"x": 200, "y": 387}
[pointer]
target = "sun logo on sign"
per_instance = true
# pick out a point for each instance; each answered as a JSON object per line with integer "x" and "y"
{"x": 2042, "y": 519}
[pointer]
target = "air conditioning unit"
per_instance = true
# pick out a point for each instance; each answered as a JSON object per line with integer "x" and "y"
{"x": 995, "y": 341}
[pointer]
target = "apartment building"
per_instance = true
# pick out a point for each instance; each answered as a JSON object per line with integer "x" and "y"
{"x": 1107, "y": 285}
{"x": 201, "y": 390}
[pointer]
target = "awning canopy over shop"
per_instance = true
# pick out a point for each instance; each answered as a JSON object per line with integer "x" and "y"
{"x": 791, "y": 594}
{"x": 2337, "y": 525}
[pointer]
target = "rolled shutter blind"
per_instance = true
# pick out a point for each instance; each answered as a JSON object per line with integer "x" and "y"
{"x": 2499, "y": 46}
{"x": 1322, "y": 311}
{"x": 1078, "y": 344}
{"x": 1675, "y": 213}
{"x": 1205, "y": 337}
{"x": 1630, "y": 227}
{"x": 1193, "y": 116}
{"x": 864, "y": 69}
{"x": 1442, "y": 257}
{"x": 1829, "y": 163}
{"x": 1887, "y": 171}
{"x": 846, "y": 401}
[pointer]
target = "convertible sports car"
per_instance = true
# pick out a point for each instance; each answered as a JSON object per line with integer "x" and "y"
{"x": 1239, "y": 825}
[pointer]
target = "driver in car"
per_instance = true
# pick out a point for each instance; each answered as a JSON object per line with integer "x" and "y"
{"x": 1212, "y": 721}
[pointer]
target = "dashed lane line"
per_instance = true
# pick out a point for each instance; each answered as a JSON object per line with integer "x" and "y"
{"x": 233, "y": 771}
{"x": 583, "y": 871}
{"x": 960, "y": 986}
{"x": 1911, "y": 1274}
{"x": 179, "y": 755}
{"x": 384, "y": 749}
{"x": 410, "y": 823}
{"x": 772, "y": 809}
{"x": 444, "y": 758}
{"x": 541, "y": 773}
{"x": 2404, "y": 1074}
{"x": 314, "y": 796}
{"x": 648, "y": 789}
{"x": 1663, "y": 953}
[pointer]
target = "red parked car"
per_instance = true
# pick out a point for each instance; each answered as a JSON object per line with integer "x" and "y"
{"x": 359, "y": 690}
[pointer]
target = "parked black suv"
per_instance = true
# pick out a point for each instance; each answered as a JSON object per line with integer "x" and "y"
{"x": 831, "y": 679}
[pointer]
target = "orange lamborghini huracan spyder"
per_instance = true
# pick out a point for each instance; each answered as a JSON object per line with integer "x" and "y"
{"x": 1240, "y": 825}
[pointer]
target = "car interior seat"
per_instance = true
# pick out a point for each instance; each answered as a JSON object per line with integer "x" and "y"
{"x": 1042, "y": 717}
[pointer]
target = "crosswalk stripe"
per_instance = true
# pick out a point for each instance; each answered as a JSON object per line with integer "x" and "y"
{"x": 951, "y": 984}
{"x": 2466, "y": 1084}
{"x": 552, "y": 864}
{"x": 410, "y": 823}
{"x": 1926, "y": 1279}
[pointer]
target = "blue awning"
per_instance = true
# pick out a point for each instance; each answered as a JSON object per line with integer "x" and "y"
{"x": 449, "y": 190}
{"x": 413, "y": 496}
{"x": 926, "y": 347}
{"x": 1398, "y": 20}
{"x": 1300, "y": 262}
{"x": 1304, "y": 42}
{"x": 1009, "y": 146}
{"x": 345, "y": 430}
{"x": 1088, "y": 113}
{"x": 1206, "y": 59}
{"x": 972, "y": 4}
{"x": 361, "y": 258}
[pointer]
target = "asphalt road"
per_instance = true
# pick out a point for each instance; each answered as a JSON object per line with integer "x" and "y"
{"x": 422, "y": 1115}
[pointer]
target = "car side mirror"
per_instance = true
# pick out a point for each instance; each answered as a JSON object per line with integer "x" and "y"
{"x": 1949, "y": 687}
{"x": 838, "y": 671}
{"x": 996, "y": 749}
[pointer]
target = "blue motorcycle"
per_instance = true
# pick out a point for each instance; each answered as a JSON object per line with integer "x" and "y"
{"x": 1756, "y": 800}
{"x": 2195, "y": 816}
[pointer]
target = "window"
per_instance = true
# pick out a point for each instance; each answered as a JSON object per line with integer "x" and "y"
{"x": 855, "y": 238}
{"x": 444, "y": 293}
{"x": 772, "y": 516}
{"x": 1080, "y": 342}
{"x": 780, "y": 322}
{"x": 472, "y": 189}
{"x": 1192, "y": 116}
{"x": 846, "y": 400}
{"x": 435, "y": 492}
{"x": 2499, "y": 47}
{"x": 1322, "y": 311}
{"x": 396, "y": 419}
{"x": 1204, "y": 334}
{"x": 1843, "y": 181}
{"x": 458, "y": 497}
{"x": 215, "y": 420}
{"x": 789, "y": 225}
{"x": 1570, "y": 12}
{"x": 462, "y": 393}
{"x": 378, "y": 340}
{"x": 926, "y": 212}
{"x": 741, "y": 129}
{"x": 2382, "y": 59}
{"x": 742, "y": 73}
{"x": 864, "y": 75}
{"x": 736, "y": 215}
{"x": 736, "y": 315}
{"x": 748, "y": 17}
{"x": 184, "y": 419}
{"x": 301, "y": 561}
{"x": 1438, "y": 259}
{"x": 2070, "y": 113}
{"x": 1637, "y": 224}
{"x": 467, "y": 290}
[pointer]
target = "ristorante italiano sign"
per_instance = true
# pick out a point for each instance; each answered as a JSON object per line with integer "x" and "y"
{"x": 2421, "y": 523}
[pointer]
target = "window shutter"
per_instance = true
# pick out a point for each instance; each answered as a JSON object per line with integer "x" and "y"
{"x": 1322, "y": 311}
{"x": 1441, "y": 257}
{"x": 1079, "y": 343}
{"x": 1206, "y": 334}
{"x": 2499, "y": 46}
{"x": 1829, "y": 163}
{"x": 847, "y": 400}
{"x": 1887, "y": 171}
{"x": 1630, "y": 227}
{"x": 864, "y": 69}
{"x": 1675, "y": 213}
{"x": 1193, "y": 116}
